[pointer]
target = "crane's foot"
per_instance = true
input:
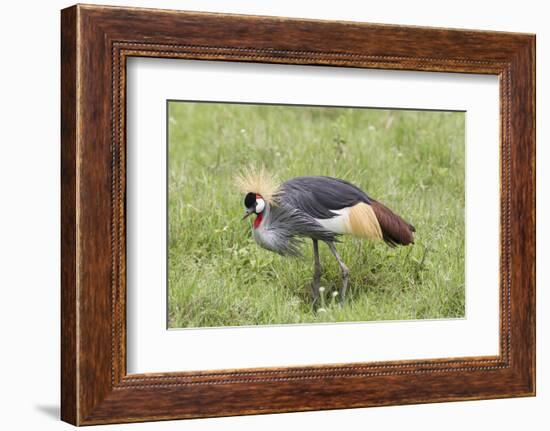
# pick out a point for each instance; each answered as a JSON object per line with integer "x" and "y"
{"x": 343, "y": 289}
{"x": 315, "y": 304}
{"x": 345, "y": 273}
{"x": 316, "y": 284}
{"x": 315, "y": 294}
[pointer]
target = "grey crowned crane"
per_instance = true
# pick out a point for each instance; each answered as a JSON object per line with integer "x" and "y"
{"x": 321, "y": 208}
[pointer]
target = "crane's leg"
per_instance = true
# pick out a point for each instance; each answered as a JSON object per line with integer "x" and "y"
{"x": 316, "y": 273}
{"x": 344, "y": 268}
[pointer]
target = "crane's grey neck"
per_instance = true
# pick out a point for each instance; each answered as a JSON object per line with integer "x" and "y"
{"x": 274, "y": 232}
{"x": 263, "y": 218}
{"x": 264, "y": 235}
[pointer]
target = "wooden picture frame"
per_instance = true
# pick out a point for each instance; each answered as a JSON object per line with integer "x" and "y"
{"x": 95, "y": 43}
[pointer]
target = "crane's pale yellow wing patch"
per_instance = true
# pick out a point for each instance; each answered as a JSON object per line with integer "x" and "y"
{"x": 363, "y": 222}
{"x": 359, "y": 220}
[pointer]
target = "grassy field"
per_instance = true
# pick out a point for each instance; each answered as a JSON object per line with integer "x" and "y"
{"x": 410, "y": 160}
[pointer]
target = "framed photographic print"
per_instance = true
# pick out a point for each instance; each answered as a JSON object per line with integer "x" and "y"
{"x": 265, "y": 215}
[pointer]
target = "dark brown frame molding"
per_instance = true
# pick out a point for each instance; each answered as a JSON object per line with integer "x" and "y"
{"x": 95, "y": 43}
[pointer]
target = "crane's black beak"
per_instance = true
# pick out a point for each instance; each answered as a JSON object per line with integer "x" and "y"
{"x": 248, "y": 212}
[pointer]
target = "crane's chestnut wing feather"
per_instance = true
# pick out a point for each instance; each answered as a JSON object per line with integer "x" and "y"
{"x": 395, "y": 230}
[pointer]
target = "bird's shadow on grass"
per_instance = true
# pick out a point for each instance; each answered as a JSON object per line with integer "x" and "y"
{"x": 52, "y": 411}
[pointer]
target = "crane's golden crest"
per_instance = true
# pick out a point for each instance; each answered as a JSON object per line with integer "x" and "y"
{"x": 259, "y": 181}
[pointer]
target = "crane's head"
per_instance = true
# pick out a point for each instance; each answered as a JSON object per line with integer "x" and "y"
{"x": 262, "y": 192}
{"x": 254, "y": 204}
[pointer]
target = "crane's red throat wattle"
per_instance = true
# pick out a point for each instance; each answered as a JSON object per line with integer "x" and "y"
{"x": 258, "y": 220}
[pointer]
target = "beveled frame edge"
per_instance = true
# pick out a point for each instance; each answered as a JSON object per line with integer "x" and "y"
{"x": 96, "y": 41}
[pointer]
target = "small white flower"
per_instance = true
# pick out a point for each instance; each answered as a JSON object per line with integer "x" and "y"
{"x": 321, "y": 289}
{"x": 321, "y": 310}
{"x": 372, "y": 128}
{"x": 243, "y": 130}
{"x": 335, "y": 294}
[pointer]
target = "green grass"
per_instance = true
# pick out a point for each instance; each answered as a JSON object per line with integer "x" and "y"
{"x": 412, "y": 161}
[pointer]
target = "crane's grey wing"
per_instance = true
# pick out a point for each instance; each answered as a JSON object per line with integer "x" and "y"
{"x": 319, "y": 196}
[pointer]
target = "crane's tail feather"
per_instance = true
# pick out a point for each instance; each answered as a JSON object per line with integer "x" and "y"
{"x": 395, "y": 230}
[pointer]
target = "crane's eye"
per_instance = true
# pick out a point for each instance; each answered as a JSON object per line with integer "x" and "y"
{"x": 260, "y": 205}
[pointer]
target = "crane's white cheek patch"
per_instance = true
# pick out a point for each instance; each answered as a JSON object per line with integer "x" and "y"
{"x": 260, "y": 205}
{"x": 337, "y": 224}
